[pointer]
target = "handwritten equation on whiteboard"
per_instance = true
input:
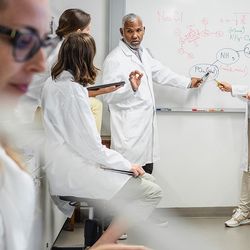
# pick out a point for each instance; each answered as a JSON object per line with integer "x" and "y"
{"x": 234, "y": 28}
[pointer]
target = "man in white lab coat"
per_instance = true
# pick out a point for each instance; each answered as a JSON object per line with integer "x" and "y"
{"x": 132, "y": 107}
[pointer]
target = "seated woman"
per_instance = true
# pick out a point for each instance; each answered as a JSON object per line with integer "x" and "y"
{"x": 77, "y": 162}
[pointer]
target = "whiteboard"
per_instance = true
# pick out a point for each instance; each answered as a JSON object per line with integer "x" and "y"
{"x": 192, "y": 37}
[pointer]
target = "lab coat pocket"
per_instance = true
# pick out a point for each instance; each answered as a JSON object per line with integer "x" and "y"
{"x": 136, "y": 125}
{"x": 131, "y": 124}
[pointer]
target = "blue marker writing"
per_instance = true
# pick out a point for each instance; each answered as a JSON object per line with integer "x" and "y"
{"x": 164, "y": 109}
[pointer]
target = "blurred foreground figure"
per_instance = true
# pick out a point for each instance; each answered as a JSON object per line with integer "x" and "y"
{"x": 23, "y": 34}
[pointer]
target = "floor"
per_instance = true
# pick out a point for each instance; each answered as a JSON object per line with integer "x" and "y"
{"x": 181, "y": 233}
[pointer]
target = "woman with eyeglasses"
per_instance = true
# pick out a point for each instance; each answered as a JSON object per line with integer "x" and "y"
{"x": 23, "y": 35}
{"x": 77, "y": 164}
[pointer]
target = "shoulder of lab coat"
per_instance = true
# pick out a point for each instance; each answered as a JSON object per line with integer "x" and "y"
{"x": 75, "y": 122}
{"x": 114, "y": 70}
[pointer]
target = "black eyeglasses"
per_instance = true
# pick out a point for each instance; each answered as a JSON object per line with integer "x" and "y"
{"x": 26, "y": 42}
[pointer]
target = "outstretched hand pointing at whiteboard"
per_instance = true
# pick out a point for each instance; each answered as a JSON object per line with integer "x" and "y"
{"x": 196, "y": 82}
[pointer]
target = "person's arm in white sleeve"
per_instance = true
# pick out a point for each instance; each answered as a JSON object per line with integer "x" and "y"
{"x": 239, "y": 91}
{"x": 163, "y": 75}
{"x": 79, "y": 130}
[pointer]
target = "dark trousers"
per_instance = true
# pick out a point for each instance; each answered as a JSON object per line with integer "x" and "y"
{"x": 148, "y": 168}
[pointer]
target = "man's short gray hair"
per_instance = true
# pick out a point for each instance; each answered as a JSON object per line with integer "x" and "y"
{"x": 131, "y": 17}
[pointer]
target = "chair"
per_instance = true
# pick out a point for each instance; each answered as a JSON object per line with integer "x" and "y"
{"x": 73, "y": 201}
{"x": 91, "y": 225}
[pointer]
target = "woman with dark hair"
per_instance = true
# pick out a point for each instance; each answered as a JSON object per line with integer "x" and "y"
{"x": 71, "y": 20}
{"x": 77, "y": 164}
{"x": 77, "y": 60}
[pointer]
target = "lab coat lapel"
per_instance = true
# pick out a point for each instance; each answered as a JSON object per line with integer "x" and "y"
{"x": 144, "y": 65}
{"x": 130, "y": 54}
{"x": 148, "y": 72}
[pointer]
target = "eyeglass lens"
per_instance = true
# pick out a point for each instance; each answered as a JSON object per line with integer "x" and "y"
{"x": 26, "y": 45}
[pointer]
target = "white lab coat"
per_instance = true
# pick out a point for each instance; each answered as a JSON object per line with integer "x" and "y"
{"x": 74, "y": 150}
{"x": 17, "y": 204}
{"x": 132, "y": 115}
{"x": 239, "y": 91}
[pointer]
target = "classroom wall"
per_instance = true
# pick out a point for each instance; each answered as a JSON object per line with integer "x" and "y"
{"x": 200, "y": 152}
{"x": 200, "y": 157}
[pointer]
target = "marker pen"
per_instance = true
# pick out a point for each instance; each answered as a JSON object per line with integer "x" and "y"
{"x": 218, "y": 83}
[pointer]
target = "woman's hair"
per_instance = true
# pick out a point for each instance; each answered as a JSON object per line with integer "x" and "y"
{"x": 3, "y": 4}
{"x": 71, "y": 20}
{"x": 76, "y": 55}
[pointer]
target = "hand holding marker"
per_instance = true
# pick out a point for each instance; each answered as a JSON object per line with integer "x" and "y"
{"x": 202, "y": 79}
{"x": 219, "y": 84}
{"x": 224, "y": 86}
{"x": 205, "y": 77}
